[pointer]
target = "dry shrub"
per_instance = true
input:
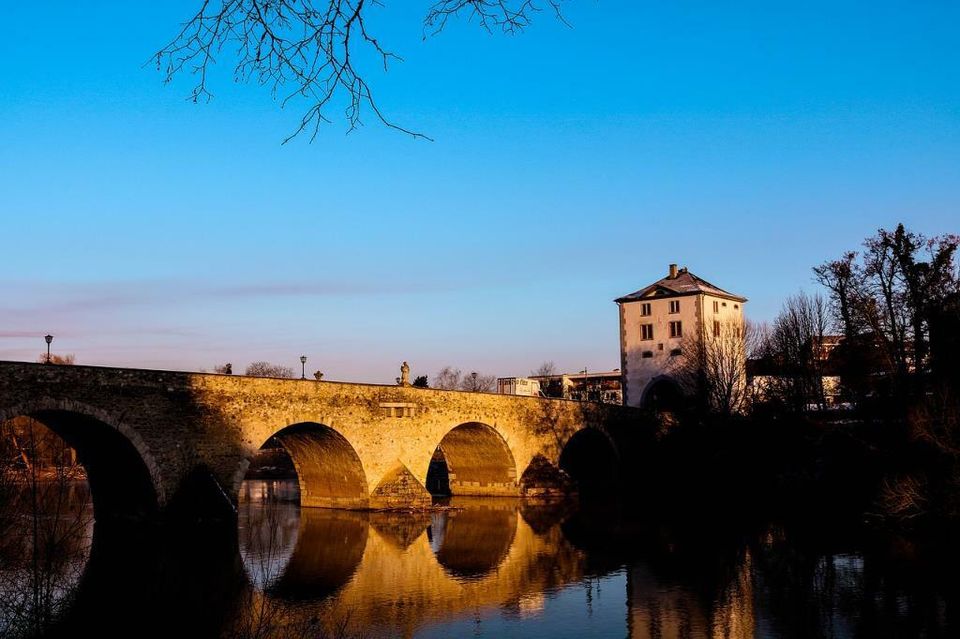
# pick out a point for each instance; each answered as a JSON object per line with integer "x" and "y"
{"x": 903, "y": 498}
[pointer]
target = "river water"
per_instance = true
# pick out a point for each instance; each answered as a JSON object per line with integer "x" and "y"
{"x": 497, "y": 568}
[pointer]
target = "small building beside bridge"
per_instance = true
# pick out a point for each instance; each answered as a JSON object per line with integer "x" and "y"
{"x": 602, "y": 387}
{"x": 658, "y": 324}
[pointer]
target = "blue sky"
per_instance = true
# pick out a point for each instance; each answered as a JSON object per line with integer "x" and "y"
{"x": 747, "y": 140}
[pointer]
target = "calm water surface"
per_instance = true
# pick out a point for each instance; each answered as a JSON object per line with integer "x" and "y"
{"x": 503, "y": 568}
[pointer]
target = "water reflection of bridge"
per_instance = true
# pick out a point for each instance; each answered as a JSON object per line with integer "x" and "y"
{"x": 396, "y": 572}
{"x": 435, "y": 573}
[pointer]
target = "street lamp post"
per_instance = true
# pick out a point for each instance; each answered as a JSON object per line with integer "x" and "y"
{"x": 303, "y": 367}
{"x": 48, "y": 339}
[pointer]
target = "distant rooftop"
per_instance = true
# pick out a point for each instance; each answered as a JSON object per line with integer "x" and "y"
{"x": 679, "y": 282}
{"x": 615, "y": 373}
{"x": 581, "y": 375}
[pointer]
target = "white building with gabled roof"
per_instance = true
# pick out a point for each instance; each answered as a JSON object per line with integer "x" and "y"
{"x": 653, "y": 324}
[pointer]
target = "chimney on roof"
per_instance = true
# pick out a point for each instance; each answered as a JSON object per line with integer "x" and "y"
{"x": 673, "y": 271}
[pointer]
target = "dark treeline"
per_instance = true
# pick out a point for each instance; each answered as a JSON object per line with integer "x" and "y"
{"x": 853, "y": 398}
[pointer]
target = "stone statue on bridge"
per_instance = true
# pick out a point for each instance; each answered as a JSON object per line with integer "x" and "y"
{"x": 404, "y": 379}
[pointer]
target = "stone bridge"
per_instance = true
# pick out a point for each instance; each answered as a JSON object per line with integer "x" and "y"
{"x": 159, "y": 441}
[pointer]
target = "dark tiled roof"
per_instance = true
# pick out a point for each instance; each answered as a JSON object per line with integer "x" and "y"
{"x": 685, "y": 283}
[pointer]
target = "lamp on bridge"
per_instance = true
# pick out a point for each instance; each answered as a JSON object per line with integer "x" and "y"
{"x": 48, "y": 338}
{"x": 303, "y": 367}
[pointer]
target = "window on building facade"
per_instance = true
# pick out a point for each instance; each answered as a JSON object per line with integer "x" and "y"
{"x": 716, "y": 306}
{"x": 647, "y": 354}
{"x": 716, "y": 328}
{"x": 646, "y": 331}
{"x": 736, "y": 306}
{"x": 674, "y": 306}
{"x": 675, "y": 352}
{"x": 676, "y": 329}
{"x": 645, "y": 309}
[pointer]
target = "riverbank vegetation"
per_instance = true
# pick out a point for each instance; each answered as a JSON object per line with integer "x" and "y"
{"x": 853, "y": 400}
{"x": 46, "y": 527}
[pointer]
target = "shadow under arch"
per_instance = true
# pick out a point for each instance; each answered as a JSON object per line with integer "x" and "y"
{"x": 590, "y": 459}
{"x": 328, "y": 468}
{"x": 123, "y": 477}
{"x": 472, "y": 459}
{"x": 473, "y": 542}
{"x": 662, "y": 393}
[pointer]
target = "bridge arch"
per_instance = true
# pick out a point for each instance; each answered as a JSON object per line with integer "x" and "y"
{"x": 590, "y": 458}
{"x": 472, "y": 458}
{"x": 662, "y": 393}
{"x": 329, "y": 470}
{"x": 124, "y": 478}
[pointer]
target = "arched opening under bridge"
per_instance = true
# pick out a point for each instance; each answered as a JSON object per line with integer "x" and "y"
{"x": 327, "y": 469}
{"x": 61, "y": 471}
{"x": 662, "y": 394}
{"x": 472, "y": 459}
{"x": 68, "y": 453}
{"x": 591, "y": 461}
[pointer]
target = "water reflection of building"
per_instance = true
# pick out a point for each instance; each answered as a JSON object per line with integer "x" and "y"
{"x": 662, "y": 608}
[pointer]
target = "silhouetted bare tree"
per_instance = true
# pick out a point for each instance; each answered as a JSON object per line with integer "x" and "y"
{"x": 477, "y": 383}
{"x": 447, "y": 378}
{"x": 842, "y": 278}
{"x": 450, "y": 378}
{"x": 266, "y": 369}
{"x": 310, "y": 49}
{"x": 795, "y": 355}
{"x": 48, "y": 529}
{"x": 885, "y": 297}
{"x": 713, "y": 367}
{"x": 546, "y": 369}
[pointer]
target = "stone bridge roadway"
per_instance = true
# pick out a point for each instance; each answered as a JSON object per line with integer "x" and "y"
{"x": 155, "y": 441}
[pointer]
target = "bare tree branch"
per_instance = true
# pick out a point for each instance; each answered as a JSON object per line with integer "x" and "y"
{"x": 308, "y": 49}
{"x": 507, "y": 16}
{"x": 546, "y": 369}
{"x": 712, "y": 368}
